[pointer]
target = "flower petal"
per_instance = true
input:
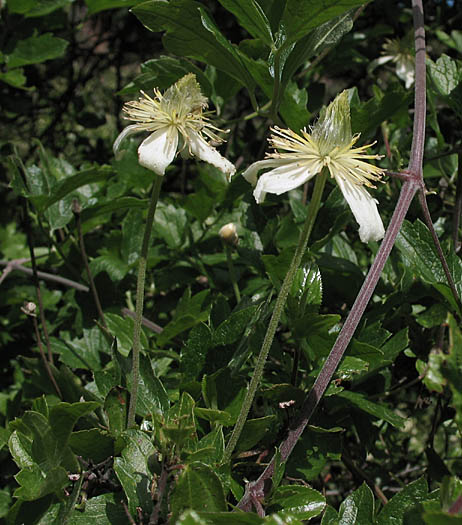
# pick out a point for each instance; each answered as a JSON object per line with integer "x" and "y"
{"x": 129, "y": 130}
{"x": 281, "y": 179}
{"x": 250, "y": 174}
{"x": 364, "y": 208}
{"x": 159, "y": 149}
{"x": 204, "y": 151}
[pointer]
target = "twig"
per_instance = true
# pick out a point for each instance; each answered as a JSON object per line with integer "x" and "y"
{"x": 76, "y": 209}
{"x": 16, "y": 265}
{"x": 436, "y": 242}
{"x": 36, "y": 280}
{"x": 154, "y": 518}
{"x": 29, "y": 309}
{"x": 457, "y": 206}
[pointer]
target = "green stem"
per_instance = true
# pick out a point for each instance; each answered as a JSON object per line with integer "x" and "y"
{"x": 277, "y": 312}
{"x": 232, "y": 272}
{"x": 140, "y": 300}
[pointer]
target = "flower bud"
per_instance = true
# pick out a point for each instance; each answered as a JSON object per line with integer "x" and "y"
{"x": 228, "y": 234}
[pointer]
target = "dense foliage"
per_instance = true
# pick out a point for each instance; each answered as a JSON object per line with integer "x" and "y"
{"x": 384, "y": 446}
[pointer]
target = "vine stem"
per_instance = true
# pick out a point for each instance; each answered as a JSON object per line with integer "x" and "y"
{"x": 277, "y": 312}
{"x": 140, "y": 300}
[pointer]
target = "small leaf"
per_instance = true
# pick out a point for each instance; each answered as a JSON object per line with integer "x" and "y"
{"x": 198, "y": 488}
{"x": 411, "y": 495}
{"x": 36, "y": 49}
{"x": 133, "y": 471}
{"x": 379, "y": 411}
{"x": 252, "y": 17}
{"x": 299, "y": 502}
{"x": 358, "y": 507}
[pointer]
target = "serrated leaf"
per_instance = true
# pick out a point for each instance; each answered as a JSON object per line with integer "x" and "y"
{"x": 198, "y": 488}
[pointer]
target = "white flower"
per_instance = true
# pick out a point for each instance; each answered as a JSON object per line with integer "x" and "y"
{"x": 176, "y": 120}
{"x": 398, "y": 51}
{"x": 329, "y": 145}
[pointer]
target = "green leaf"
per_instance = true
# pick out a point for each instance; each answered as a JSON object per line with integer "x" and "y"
{"x": 418, "y": 251}
{"x": 34, "y": 483}
{"x": 132, "y": 236}
{"x": 180, "y": 425}
{"x": 330, "y": 516}
{"x": 14, "y": 77}
{"x": 191, "y": 32}
{"x": 326, "y": 35}
{"x": 115, "y": 205}
{"x": 113, "y": 265}
{"x": 444, "y": 74}
{"x": 367, "y": 116}
{"x": 299, "y": 502}
{"x": 198, "y": 488}
{"x": 69, "y": 184}
{"x": 230, "y": 330}
{"x": 95, "y": 6}
{"x": 312, "y": 452}
{"x": 36, "y": 49}
{"x": 94, "y": 444}
{"x": 35, "y": 8}
{"x": 170, "y": 224}
{"x": 194, "y": 352}
{"x": 214, "y": 416}
{"x": 358, "y": 507}
{"x": 252, "y": 17}
{"x": 164, "y": 71}
{"x": 410, "y": 496}
{"x": 306, "y": 288}
{"x": 376, "y": 410}
{"x": 63, "y": 417}
{"x": 189, "y": 312}
{"x": 122, "y": 329}
{"x": 115, "y": 407}
{"x": 254, "y": 430}
{"x": 133, "y": 471}
{"x": 299, "y": 18}
{"x": 106, "y": 509}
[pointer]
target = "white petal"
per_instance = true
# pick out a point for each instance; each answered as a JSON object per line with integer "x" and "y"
{"x": 158, "y": 150}
{"x": 250, "y": 174}
{"x": 129, "y": 130}
{"x": 204, "y": 151}
{"x": 281, "y": 179}
{"x": 364, "y": 208}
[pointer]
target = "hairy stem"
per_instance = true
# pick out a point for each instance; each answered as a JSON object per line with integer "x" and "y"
{"x": 140, "y": 301}
{"x": 277, "y": 312}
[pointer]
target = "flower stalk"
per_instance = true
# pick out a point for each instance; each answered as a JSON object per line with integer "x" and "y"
{"x": 277, "y": 312}
{"x": 140, "y": 300}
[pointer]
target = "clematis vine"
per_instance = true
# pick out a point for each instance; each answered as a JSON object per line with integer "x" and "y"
{"x": 330, "y": 145}
{"x": 177, "y": 121}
